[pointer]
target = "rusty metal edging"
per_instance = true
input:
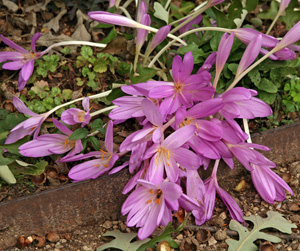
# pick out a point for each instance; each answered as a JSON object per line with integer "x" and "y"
{"x": 84, "y": 203}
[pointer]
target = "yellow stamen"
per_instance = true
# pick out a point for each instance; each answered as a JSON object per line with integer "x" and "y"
{"x": 151, "y": 191}
{"x": 148, "y": 201}
{"x": 158, "y": 201}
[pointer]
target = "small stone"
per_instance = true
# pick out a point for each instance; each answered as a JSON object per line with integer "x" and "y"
{"x": 223, "y": 216}
{"x": 107, "y": 224}
{"x": 255, "y": 209}
{"x": 179, "y": 237}
{"x": 63, "y": 240}
{"x": 220, "y": 235}
{"x": 289, "y": 249}
{"x": 86, "y": 248}
{"x": 52, "y": 237}
{"x": 212, "y": 241}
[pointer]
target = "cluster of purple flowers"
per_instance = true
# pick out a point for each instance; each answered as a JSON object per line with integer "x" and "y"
{"x": 185, "y": 125}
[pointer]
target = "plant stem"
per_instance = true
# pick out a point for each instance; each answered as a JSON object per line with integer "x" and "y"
{"x": 99, "y": 95}
{"x": 103, "y": 110}
{"x": 246, "y": 129}
{"x": 237, "y": 79}
{"x": 183, "y": 35}
{"x": 273, "y": 23}
{"x": 73, "y": 43}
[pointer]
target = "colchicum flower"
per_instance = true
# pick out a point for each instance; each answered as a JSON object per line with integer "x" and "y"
{"x": 151, "y": 205}
{"x": 27, "y": 127}
{"x": 94, "y": 168}
{"x": 268, "y": 184}
{"x": 21, "y": 59}
{"x": 73, "y": 116}
{"x": 49, "y": 144}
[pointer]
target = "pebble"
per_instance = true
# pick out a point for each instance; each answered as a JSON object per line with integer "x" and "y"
{"x": 63, "y": 240}
{"x": 107, "y": 224}
{"x": 179, "y": 237}
{"x": 220, "y": 235}
{"x": 86, "y": 248}
{"x": 212, "y": 241}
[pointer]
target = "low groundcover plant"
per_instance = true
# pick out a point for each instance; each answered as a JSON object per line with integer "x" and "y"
{"x": 184, "y": 123}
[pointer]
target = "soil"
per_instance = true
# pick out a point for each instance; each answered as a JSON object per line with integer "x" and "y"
{"x": 88, "y": 238}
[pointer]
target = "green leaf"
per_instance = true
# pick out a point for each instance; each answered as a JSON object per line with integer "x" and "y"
{"x": 233, "y": 67}
{"x": 86, "y": 51}
{"x": 95, "y": 142}
{"x": 14, "y": 147}
{"x": 55, "y": 91}
{"x": 267, "y": 86}
{"x": 97, "y": 124}
{"x": 160, "y": 12}
{"x": 251, "y": 5}
{"x": 198, "y": 54}
{"x": 144, "y": 74}
{"x": 269, "y": 98}
{"x": 66, "y": 50}
{"x": 79, "y": 133}
{"x": 7, "y": 175}
{"x": 123, "y": 68}
{"x": 270, "y": 13}
{"x": 122, "y": 241}
{"x": 21, "y": 167}
{"x": 246, "y": 238}
{"x": 111, "y": 35}
{"x": 100, "y": 67}
{"x": 67, "y": 94}
{"x": 116, "y": 93}
{"x": 254, "y": 76}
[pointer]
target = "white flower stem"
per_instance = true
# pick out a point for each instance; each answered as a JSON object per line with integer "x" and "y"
{"x": 103, "y": 110}
{"x": 273, "y": 23}
{"x": 73, "y": 43}
{"x": 246, "y": 129}
{"x": 99, "y": 95}
{"x": 183, "y": 35}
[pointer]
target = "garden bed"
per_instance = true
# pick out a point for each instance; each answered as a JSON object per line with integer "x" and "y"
{"x": 66, "y": 208}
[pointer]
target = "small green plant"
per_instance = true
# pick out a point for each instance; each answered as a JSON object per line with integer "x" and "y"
{"x": 291, "y": 98}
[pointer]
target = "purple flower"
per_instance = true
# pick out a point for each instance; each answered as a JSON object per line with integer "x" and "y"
{"x": 169, "y": 153}
{"x": 224, "y": 49}
{"x": 268, "y": 184}
{"x": 141, "y": 11}
{"x": 283, "y": 5}
{"x": 211, "y": 187}
{"x": 21, "y": 59}
{"x": 73, "y": 116}
{"x": 151, "y": 205}
{"x": 246, "y": 35}
{"x": 49, "y": 144}
{"x": 142, "y": 33}
{"x": 160, "y": 35}
{"x": 245, "y": 153}
{"x": 250, "y": 54}
{"x": 115, "y": 19}
{"x": 190, "y": 24}
{"x": 291, "y": 37}
{"x": 186, "y": 88}
{"x": 94, "y": 168}
{"x": 240, "y": 103}
{"x": 208, "y": 63}
{"x": 27, "y": 127}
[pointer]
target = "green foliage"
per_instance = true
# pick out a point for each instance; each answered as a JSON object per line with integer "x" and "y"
{"x": 291, "y": 97}
{"x": 122, "y": 241}
{"x": 97, "y": 125}
{"x": 246, "y": 238}
{"x": 144, "y": 74}
{"x": 49, "y": 63}
{"x": 79, "y": 133}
